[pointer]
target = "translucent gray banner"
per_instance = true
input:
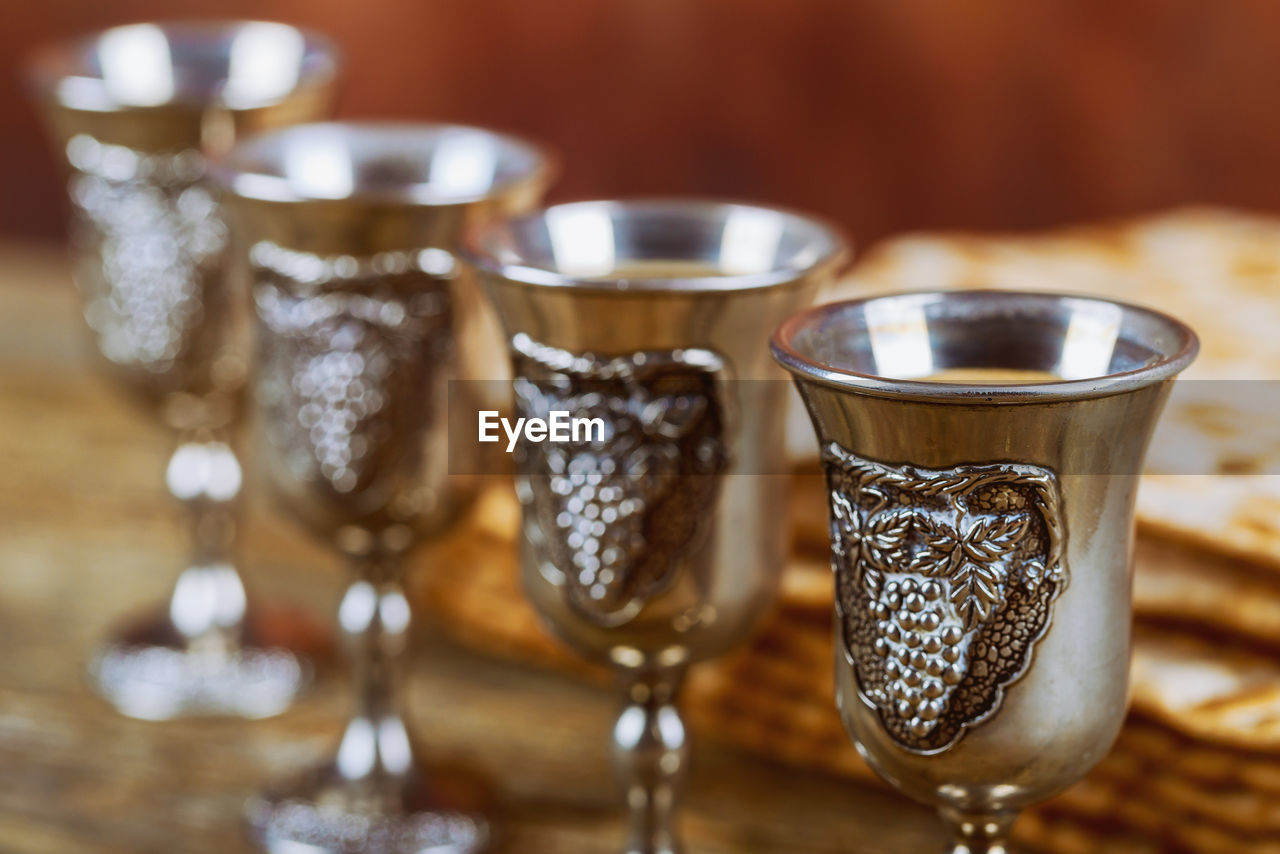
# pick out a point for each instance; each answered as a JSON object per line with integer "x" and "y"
{"x": 1209, "y": 427}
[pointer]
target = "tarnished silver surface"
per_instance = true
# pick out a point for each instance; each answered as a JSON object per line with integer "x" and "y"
{"x": 659, "y": 544}
{"x": 350, "y": 232}
{"x": 138, "y": 111}
{"x": 981, "y": 533}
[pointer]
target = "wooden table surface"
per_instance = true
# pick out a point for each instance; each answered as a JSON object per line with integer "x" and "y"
{"x": 87, "y": 536}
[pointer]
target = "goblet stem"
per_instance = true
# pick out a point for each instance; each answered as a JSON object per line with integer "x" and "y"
{"x": 207, "y": 606}
{"x": 378, "y": 781}
{"x": 200, "y": 656}
{"x": 651, "y": 757}
{"x": 979, "y": 833}
{"x": 376, "y": 749}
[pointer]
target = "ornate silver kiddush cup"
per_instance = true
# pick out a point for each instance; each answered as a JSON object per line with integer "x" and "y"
{"x": 138, "y": 110}
{"x": 657, "y": 541}
{"x": 350, "y": 231}
{"x": 982, "y": 452}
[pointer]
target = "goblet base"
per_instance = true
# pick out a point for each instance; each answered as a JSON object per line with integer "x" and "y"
{"x": 326, "y": 812}
{"x": 149, "y": 670}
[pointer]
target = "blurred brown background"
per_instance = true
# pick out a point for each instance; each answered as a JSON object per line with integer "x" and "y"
{"x": 881, "y": 114}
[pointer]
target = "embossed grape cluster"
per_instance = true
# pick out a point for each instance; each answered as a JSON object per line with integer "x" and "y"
{"x": 998, "y": 500}
{"x": 157, "y": 245}
{"x": 343, "y": 392}
{"x": 923, "y": 644}
{"x": 600, "y": 519}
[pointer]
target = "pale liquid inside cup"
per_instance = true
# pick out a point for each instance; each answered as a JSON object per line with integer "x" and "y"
{"x": 989, "y": 376}
{"x": 661, "y": 268}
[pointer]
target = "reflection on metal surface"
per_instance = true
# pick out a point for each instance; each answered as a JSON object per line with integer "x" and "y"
{"x": 137, "y": 68}
{"x": 204, "y": 469}
{"x": 303, "y": 827}
{"x": 159, "y": 682}
{"x": 464, "y": 164}
{"x": 613, "y": 518}
{"x": 320, "y": 165}
{"x": 945, "y": 582}
{"x": 899, "y": 336}
{"x": 1090, "y": 340}
{"x": 582, "y": 239}
{"x": 264, "y": 64}
{"x": 750, "y": 241}
{"x": 212, "y": 597}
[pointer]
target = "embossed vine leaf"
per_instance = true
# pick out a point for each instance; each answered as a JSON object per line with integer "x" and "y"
{"x": 884, "y": 536}
{"x": 972, "y": 564}
{"x": 845, "y": 516}
{"x": 978, "y": 577}
{"x": 977, "y": 589}
{"x": 941, "y": 549}
{"x": 991, "y": 538}
{"x": 876, "y": 542}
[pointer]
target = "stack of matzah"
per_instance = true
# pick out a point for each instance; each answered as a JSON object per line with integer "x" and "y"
{"x": 1197, "y": 768}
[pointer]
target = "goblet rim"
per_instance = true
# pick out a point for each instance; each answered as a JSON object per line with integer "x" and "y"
{"x": 831, "y": 251}
{"x": 245, "y": 161}
{"x": 804, "y": 367}
{"x": 51, "y": 64}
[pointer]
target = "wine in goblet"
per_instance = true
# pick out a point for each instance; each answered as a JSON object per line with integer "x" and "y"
{"x": 362, "y": 313}
{"x": 656, "y": 540}
{"x": 138, "y": 111}
{"x": 981, "y": 452}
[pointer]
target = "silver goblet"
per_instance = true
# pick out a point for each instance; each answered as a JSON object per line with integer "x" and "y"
{"x": 657, "y": 541}
{"x": 138, "y": 110}
{"x": 350, "y": 231}
{"x": 982, "y": 452}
